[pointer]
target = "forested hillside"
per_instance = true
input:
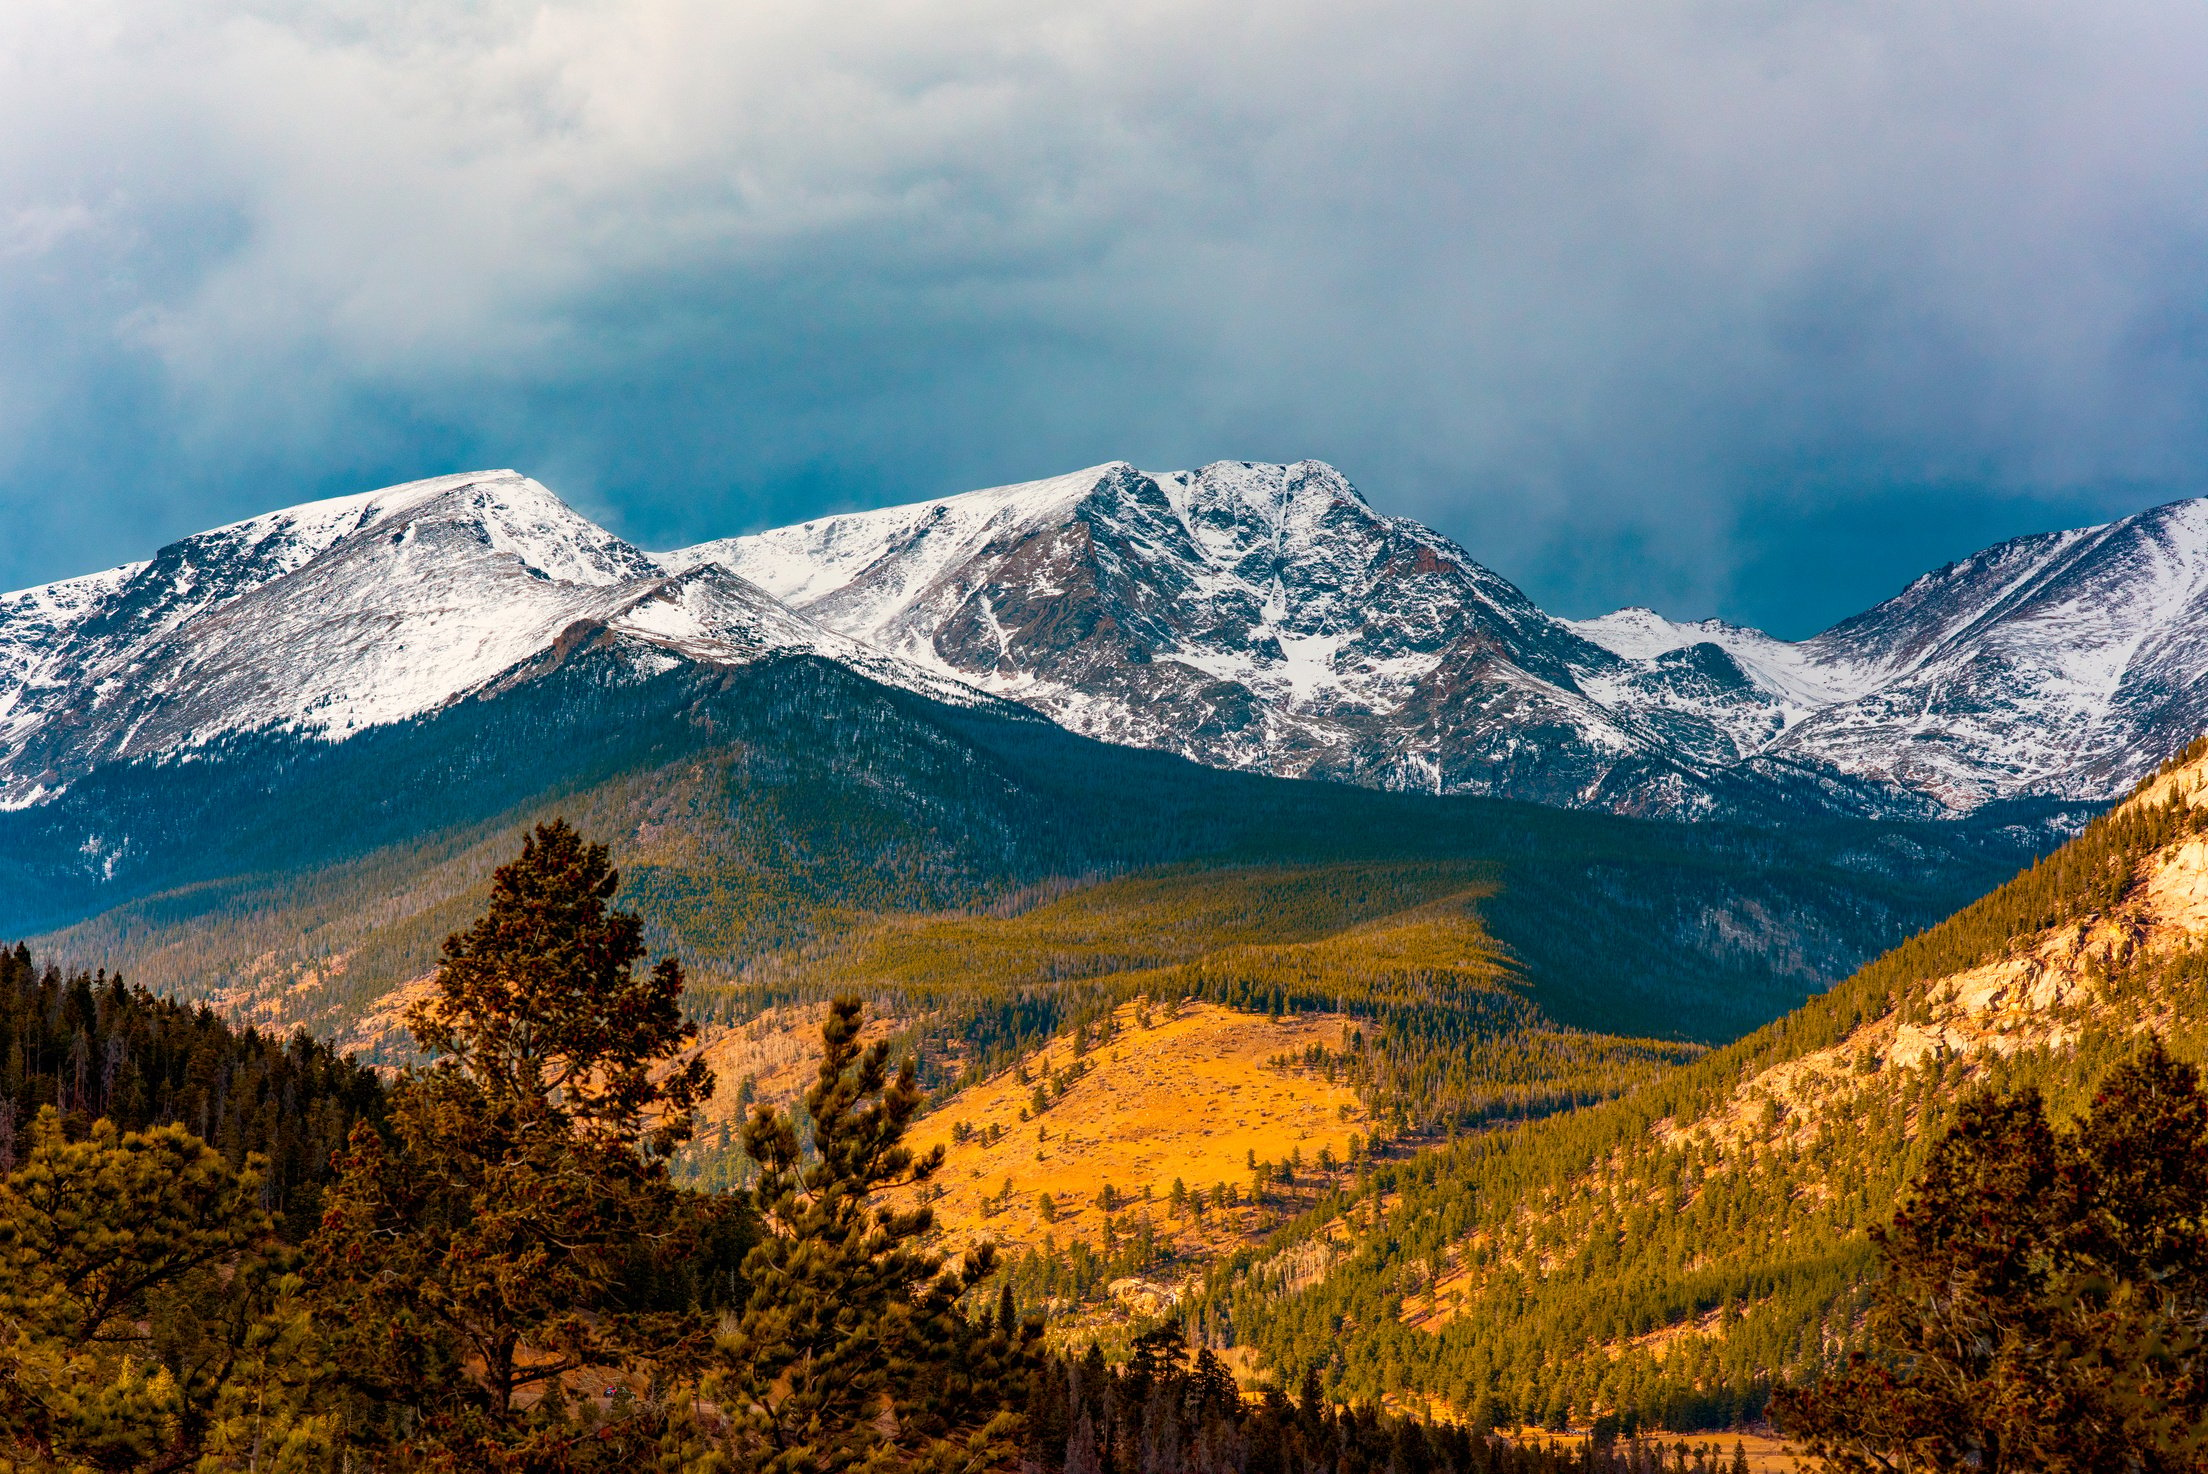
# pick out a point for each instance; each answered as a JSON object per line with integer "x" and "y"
{"x": 1403, "y": 948}
{"x": 503, "y": 1277}
{"x": 90, "y": 1048}
{"x": 764, "y": 812}
{"x": 1500, "y": 971}
{"x": 1226, "y": 1046}
{"x": 1672, "y": 1253}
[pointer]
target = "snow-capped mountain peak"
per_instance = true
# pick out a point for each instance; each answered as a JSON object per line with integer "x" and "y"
{"x": 1265, "y": 616}
{"x": 873, "y": 563}
{"x": 1640, "y": 633}
{"x": 1801, "y": 679}
{"x": 1243, "y": 614}
{"x": 338, "y": 615}
{"x": 2063, "y": 663}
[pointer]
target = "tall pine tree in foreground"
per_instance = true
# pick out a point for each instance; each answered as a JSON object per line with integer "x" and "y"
{"x": 517, "y": 1227}
{"x": 854, "y": 1350}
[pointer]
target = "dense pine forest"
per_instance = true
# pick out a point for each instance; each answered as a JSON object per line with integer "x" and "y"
{"x": 1677, "y": 1253}
{"x": 90, "y": 1048}
{"x": 505, "y": 1275}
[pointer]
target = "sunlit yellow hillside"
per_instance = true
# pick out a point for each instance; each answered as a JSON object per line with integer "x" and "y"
{"x": 1193, "y": 1096}
{"x": 772, "y": 1058}
{"x": 1381, "y": 982}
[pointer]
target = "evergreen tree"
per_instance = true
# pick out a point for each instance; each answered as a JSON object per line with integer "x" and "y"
{"x": 518, "y": 1226}
{"x": 2044, "y": 1296}
{"x": 146, "y": 1319}
{"x": 854, "y": 1350}
{"x": 537, "y": 1005}
{"x": 92, "y": 1048}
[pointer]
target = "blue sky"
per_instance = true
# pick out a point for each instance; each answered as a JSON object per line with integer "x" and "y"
{"x": 1755, "y": 309}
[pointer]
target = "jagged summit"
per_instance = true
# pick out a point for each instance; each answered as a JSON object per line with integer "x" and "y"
{"x": 2066, "y": 662}
{"x": 866, "y": 570}
{"x": 2061, "y": 664}
{"x": 338, "y": 615}
{"x": 1244, "y": 614}
{"x": 1265, "y": 616}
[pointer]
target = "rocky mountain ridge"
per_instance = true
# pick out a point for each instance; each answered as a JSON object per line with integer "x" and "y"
{"x": 1266, "y": 617}
{"x": 2096, "y": 971}
{"x": 1248, "y": 616}
{"x": 327, "y": 619}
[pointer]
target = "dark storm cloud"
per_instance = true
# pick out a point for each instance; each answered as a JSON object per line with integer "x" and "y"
{"x": 1740, "y": 308}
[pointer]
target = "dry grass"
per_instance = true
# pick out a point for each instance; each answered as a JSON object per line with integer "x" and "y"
{"x": 778, "y": 1052}
{"x": 1766, "y": 1454}
{"x": 381, "y": 1026}
{"x": 1191, "y": 1097}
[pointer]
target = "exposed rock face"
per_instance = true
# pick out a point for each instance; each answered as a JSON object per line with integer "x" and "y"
{"x": 2039, "y": 995}
{"x": 1266, "y": 617}
{"x": 340, "y": 615}
{"x": 1251, "y": 616}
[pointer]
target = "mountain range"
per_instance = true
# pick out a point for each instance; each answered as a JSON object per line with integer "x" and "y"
{"x": 1021, "y": 764}
{"x": 1266, "y": 617}
{"x": 1247, "y": 616}
{"x": 329, "y": 619}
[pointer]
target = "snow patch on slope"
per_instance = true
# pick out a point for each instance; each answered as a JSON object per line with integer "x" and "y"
{"x": 1801, "y": 677}
{"x": 337, "y": 616}
{"x": 889, "y": 555}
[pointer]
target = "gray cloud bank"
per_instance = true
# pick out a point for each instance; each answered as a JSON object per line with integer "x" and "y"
{"x": 1741, "y": 307}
